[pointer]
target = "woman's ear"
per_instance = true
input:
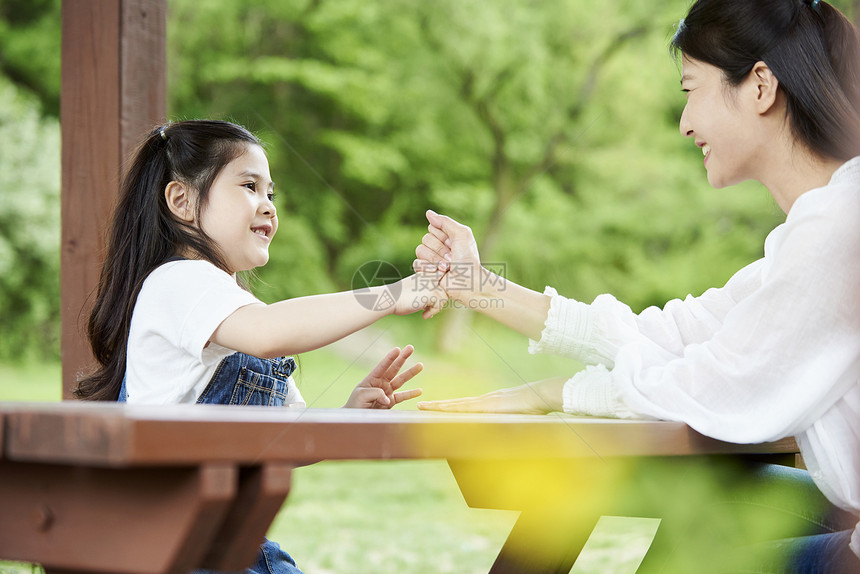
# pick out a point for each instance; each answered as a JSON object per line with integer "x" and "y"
{"x": 766, "y": 87}
{"x": 179, "y": 201}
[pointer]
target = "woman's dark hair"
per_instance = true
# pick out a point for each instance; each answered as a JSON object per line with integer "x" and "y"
{"x": 144, "y": 233}
{"x": 810, "y": 47}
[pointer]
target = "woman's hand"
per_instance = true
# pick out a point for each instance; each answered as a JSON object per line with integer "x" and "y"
{"x": 536, "y": 398}
{"x": 378, "y": 389}
{"x": 450, "y": 247}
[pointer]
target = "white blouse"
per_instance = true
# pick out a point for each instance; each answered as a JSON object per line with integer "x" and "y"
{"x": 773, "y": 353}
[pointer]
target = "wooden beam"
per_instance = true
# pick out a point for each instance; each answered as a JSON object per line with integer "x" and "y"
{"x": 113, "y": 90}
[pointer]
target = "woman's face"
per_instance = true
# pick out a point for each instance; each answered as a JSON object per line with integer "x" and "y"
{"x": 722, "y": 122}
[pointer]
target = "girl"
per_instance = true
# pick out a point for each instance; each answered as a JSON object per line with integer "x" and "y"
{"x": 771, "y": 91}
{"x": 171, "y": 324}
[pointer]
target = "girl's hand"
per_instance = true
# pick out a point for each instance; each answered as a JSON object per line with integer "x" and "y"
{"x": 377, "y": 390}
{"x": 421, "y": 291}
{"x": 536, "y": 398}
{"x": 451, "y": 248}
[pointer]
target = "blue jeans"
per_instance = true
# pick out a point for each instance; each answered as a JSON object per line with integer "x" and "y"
{"x": 823, "y": 531}
{"x": 242, "y": 379}
{"x": 271, "y": 559}
{"x": 821, "y": 553}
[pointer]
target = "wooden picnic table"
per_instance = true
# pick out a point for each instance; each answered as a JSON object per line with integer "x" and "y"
{"x": 99, "y": 487}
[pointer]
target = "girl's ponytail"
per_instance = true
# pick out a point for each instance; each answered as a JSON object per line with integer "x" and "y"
{"x": 144, "y": 233}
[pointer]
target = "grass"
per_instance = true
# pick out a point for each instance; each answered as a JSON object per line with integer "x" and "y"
{"x": 370, "y": 517}
{"x": 395, "y": 516}
{"x": 489, "y": 358}
{"x": 40, "y": 382}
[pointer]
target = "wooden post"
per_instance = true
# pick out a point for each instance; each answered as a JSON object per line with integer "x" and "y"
{"x": 113, "y": 91}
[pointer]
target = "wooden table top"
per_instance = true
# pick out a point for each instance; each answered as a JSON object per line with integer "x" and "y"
{"x": 110, "y": 434}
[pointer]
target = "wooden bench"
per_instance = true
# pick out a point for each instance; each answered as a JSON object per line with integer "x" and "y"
{"x": 90, "y": 487}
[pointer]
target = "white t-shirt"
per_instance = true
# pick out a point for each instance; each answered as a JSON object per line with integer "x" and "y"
{"x": 774, "y": 353}
{"x": 181, "y": 303}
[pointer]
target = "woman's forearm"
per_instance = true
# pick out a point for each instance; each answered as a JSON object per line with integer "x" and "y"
{"x": 512, "y": 305}
{"x": 450, "y": 247}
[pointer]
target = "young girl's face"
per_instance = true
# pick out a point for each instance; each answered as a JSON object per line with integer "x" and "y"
{"x": 720, "y": 119}
{"x": 239, "y": 214}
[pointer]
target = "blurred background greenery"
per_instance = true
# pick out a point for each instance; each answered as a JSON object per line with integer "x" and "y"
{"x": 550, "y": 127}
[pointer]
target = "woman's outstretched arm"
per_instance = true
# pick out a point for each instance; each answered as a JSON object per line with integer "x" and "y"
{"x": 450, "y": 247}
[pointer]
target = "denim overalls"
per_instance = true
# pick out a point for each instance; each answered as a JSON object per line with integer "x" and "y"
{"x": 242, "y": 379}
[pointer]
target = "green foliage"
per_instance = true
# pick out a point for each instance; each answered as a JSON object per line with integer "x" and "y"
{"x": 550, "y": 128}
{"x": 30, "y": 48}
{"x": 29, "y": 226}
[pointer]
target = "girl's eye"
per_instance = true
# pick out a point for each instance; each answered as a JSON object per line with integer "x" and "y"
{"x": 251, "y": 185}
{"x": 271, "y": 196}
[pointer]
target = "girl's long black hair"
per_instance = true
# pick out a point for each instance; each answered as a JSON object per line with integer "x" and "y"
{"x": 144, "y": 233}
{"x": 811, "y": 48}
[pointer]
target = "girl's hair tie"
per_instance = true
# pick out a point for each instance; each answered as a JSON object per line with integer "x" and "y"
{"x": 163, "y": 132}
{"x": 814, "y": 4}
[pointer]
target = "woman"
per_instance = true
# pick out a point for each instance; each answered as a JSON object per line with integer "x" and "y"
{"x": 771, "y": 91}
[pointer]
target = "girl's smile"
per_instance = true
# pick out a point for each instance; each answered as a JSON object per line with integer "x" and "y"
{"x": 263, "y": 231}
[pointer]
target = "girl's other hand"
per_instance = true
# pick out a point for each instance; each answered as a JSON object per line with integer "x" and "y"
{"x": 378, "y": 390}
{"x": 536, "y": 398}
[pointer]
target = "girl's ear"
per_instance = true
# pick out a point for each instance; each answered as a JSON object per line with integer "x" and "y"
{"x": 766, "y": 86}
{"x": 179, "y": 201}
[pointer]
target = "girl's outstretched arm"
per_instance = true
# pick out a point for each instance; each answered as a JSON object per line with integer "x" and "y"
{"x": 378, "y": 390}
{"x": 307, "y": 323}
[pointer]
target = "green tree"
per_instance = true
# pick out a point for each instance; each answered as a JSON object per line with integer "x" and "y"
{"x": 29, "y": 178}
{"x": 30, "y": 49}
{"x": 549, "y": 127}
{"x": 29, "y": 227}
